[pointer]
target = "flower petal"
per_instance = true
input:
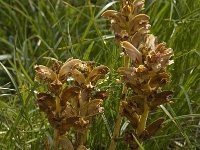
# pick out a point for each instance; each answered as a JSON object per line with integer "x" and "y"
{"x": 138, "y": 22}
{"x": 131, "y": 51}
{"x": 44, "y": 73}
{"x": 97, "y": 73}
{"x": 78, "y": 76}
{"x": 67, "y": 67}
{"x": 109, "y": 13}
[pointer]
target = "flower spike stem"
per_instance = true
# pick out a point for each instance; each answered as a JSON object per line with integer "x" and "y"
{"x": 143, "y": 120}
{"x": 56, "y": 133}
{"x": 119, "y": 117}
{"x": 56, "y": 138}
{"x": 116, "y": 131}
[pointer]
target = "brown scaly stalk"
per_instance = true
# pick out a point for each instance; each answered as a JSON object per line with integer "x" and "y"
{"x": 56, "y": 131}
{"x": 144, "y": 77}
{"x": 71, "y": 100}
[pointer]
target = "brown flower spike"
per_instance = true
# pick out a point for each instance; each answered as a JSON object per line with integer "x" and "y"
{"x": 70, "y": 105}
{"x": 144, "y": 72}
{"x": 129, "y": 23}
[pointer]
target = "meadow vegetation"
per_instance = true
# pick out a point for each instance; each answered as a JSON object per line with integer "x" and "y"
{"x": 33, "y": 32}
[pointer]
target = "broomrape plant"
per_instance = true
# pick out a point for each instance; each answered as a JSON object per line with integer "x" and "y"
{"x": 143, "y": 74}
{"x": 71, "y": 100}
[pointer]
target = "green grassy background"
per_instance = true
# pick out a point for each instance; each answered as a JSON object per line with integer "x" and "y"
{"x": 33, "y": 30}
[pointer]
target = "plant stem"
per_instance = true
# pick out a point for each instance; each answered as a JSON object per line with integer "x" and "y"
{"x": 81, "y": 139}
{"x": 56, "y": 139}
{"x": 119, "y": 117}
{"x": 116, "y": 131}
{"x": 56, "y": 132}
{"x": 143, "y": 120}
{"x": 142, "y": 124}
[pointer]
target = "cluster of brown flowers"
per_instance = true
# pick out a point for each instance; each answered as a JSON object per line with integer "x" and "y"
{"x": 71, "y": 100}
{"x": 145, "y": 74}
{"x": 129, "y": 24}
